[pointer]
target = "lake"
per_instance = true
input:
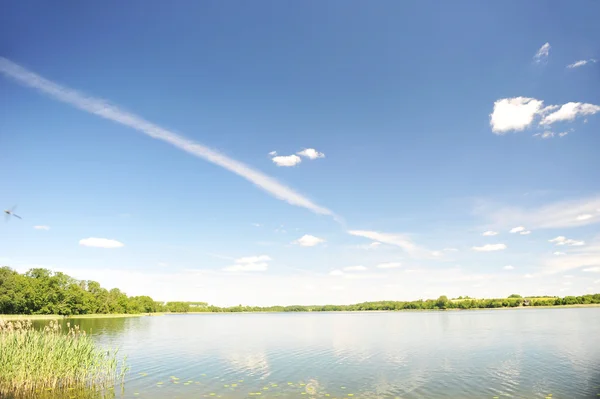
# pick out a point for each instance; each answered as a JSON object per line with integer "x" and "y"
{"x": 519, "y": 353}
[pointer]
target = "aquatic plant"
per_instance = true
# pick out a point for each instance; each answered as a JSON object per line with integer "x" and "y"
{"x": 50, "y": 359}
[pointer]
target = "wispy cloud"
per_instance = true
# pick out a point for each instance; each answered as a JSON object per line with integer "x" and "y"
{"x": 308, "y": 241}
{"x": 286, "y": 160}
{"x": 389, "y": 265}
{"x": 311, "y": 153}
{"x": 42, "y": 227}
{"x": 373, "y": 245}
{"x": 399, "y": 240}
{"x": 595, "y": 269}
{"x": 562, "y": 240}
{"x": 250, "y": 264}
{"x": 490, "y": 248}
{"x": 517, "y": 229}
{"x": 490, "y": 233}
{"x": 542, "y": 54}
{"x": 581, "y": 63}
{"x": 359, "y": 268}
{"x": 509, "y": 267}
{"x": 525, "y": 233}
{"x": 554, "y": 215}
{"x": 105, "y": 110}
{"x": 100, "y": 243}
{"x": 544, "y": 135}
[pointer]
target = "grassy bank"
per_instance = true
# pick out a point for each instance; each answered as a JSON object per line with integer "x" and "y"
{"x": 34, "y": 361}
{"x": 81, "y": 316}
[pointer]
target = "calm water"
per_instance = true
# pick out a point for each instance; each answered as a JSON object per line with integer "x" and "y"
{"x": 526, "y": 353}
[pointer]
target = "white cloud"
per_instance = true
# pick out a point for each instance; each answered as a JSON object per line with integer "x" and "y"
{"x": 247, "y": 267}
{"x": 595, "y": 269}
{"x": 581, "y": 63}
{"x": 100, "y": 243}
{"x": 555, "y": 215}
{"x": 250, "y": 264}
{"x": 528, "y": 276}
{"x": 585, "y": 216}
{"x": 256, "y": 224}
{"x": 545, "y": 135}
{"x": 563, "y": 134}
{"x": 389, "y": 265}
{"x": 358, "y": 268}
{"x": 519, "y": 113}
{"x": 517, "y": 229}
{"x": 562, "y": 240}
{"x": 311, "y": 153}
{"x": 514, "y": 114}
{"x": 490, "y": 247}
{"x": 336, "y": 272}
{"x": 508, "y": 267}
{"x": 568, "y": 276}
{"x": 542, "y": 53}
{"x": 105, "y": 110}
{"x": 450, "y": 249}
{"x": 254, "y": 259}
{"x": 42, "y": 227}
{"x": 309, "y": 241}
{"x": 288, "y": 160}
{"x": 524, "y": 233}
{"x": 557, "y": 253}
{"x": 273, "y": 153}
{"x": 490, "y": 233}
{"x": 570, "y": 111}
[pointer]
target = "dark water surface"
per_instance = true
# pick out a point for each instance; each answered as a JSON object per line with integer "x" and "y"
{"x": 524, "y": 353}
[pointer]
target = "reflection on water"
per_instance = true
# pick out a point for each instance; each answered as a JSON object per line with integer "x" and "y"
{"x": 528, "y": 353}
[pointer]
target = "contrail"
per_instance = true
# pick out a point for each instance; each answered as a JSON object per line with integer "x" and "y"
{"x": 104, "y": 109}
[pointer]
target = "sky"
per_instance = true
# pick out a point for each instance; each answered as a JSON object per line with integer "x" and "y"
{"x": 303, "y": 153}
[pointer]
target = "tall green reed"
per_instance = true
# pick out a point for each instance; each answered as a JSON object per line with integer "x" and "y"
{"x": 52, "y": 359}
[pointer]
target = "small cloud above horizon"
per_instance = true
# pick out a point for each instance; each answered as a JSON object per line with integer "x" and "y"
{"x": 94, "y": 242}
{"x": 490, "y": 248}
{"x": 288, "y": 160}
{"x": 311, "y": 153}
{"x": 389, "y": 265}
{"x": 42, "y": 227}
{"x": 308, "y": 240}
{"x": 250, "y": 264}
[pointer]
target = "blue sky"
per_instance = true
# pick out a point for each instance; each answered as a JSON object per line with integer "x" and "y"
{"x": 318, "y": 152}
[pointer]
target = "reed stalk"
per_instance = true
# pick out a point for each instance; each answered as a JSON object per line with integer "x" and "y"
{"x": 50, "y": 359}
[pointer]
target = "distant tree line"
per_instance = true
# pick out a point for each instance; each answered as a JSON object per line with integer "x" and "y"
{"x": 41, "y": 291}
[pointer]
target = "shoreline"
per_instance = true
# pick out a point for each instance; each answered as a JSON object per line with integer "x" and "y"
{"x": 10, "y": 317}
{"x": 83, "y": 316}
{"x": 589, "y": 305}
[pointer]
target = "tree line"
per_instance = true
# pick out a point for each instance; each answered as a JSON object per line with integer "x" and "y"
{"x": 41, "y": 291}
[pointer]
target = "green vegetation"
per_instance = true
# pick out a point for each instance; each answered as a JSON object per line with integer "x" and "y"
{"x": 41, "y": 292}
{"x": 35, "y": 361}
